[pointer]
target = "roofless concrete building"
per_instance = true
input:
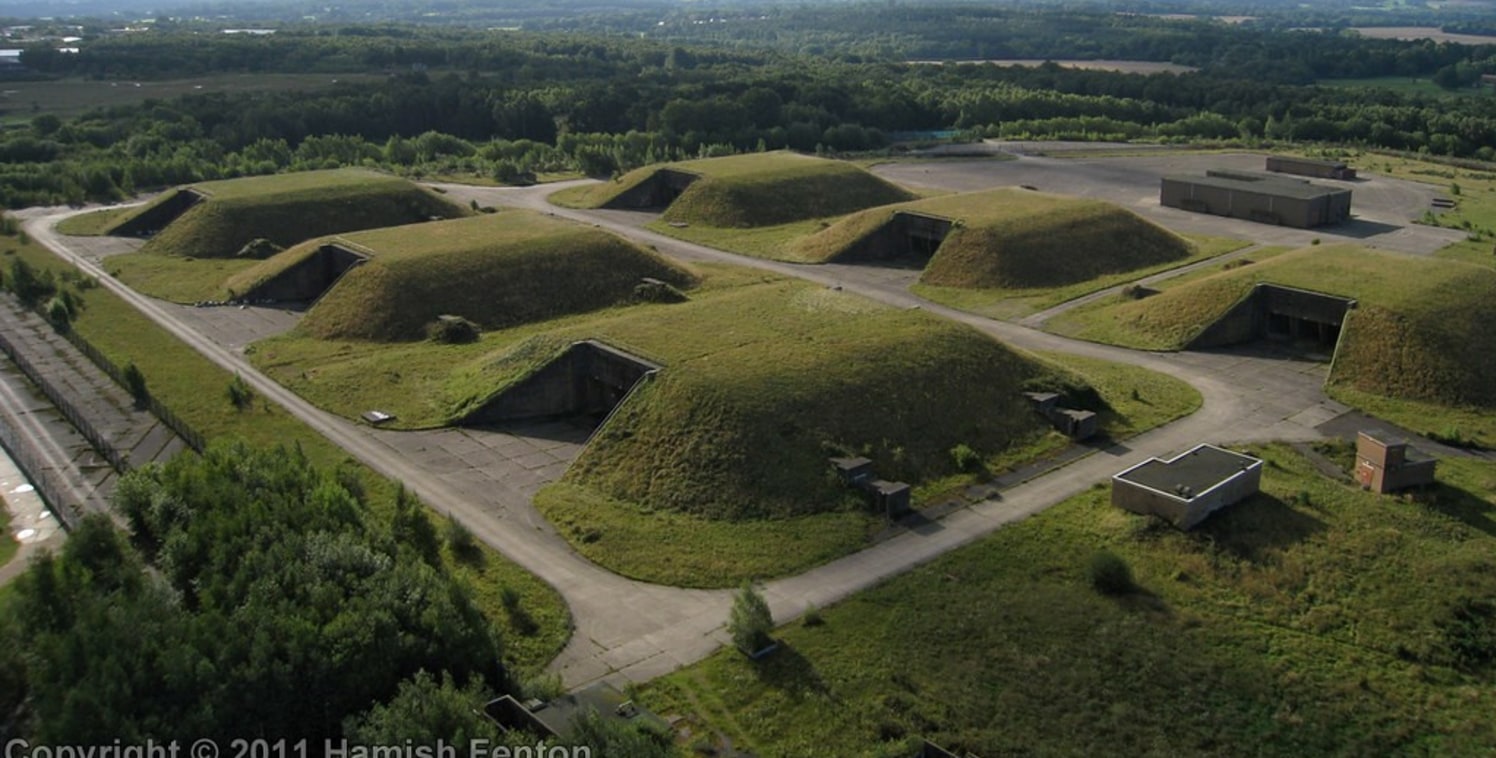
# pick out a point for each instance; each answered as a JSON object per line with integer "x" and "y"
{"x": 1265, "y": 198}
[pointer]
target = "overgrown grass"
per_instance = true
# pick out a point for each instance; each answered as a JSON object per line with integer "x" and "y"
{"x": 683, "y": 550}
{"x": 195, "y": 389}
{"x": 287, "y": 209}
{"x": 756, "y": 189}
{"x": 497, "y": 270}
{"x": 1308, "y": 620}
{"x": 1011, "y": 303}
{"x": 771, "y": 242}
{"x": 179, "y": 279}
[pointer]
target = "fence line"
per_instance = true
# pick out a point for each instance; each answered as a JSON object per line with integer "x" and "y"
{"x": 174, "y": 422}
{"x": 48, "y": 483}
{"x": 65, "y": 406}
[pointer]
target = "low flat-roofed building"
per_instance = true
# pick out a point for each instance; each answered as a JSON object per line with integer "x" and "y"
{"x": 558, "y": 717}
{"x": 1310, "y": 167}
{"x": 1262, "y": 197}
{"x": 1187, "y": 488}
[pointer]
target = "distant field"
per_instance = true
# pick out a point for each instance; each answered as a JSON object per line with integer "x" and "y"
{"x": 1125, "y": 67}
{"x": 70, "y": 97}
{"x": 1422, "y": 32}
{"x": 1313, "y": 619}
{"x": 1403, "y": 84}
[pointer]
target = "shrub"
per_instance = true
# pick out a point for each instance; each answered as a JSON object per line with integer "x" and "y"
{"x": 751, "y": 621}
{"x": 965, "y": 458}
{"x": 240, "y": 395}
{"x": 812, "y": 617}
{"x": 656, "y": 291}
{"x": 452, "y": 330}
{"x": 58, "y": 313}
{"x": 460, "y": 539}
{"x": 1470, "y": 634}
{"x": 1109, "y": 574}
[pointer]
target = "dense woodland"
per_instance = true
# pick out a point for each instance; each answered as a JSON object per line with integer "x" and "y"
{"x": 257, "y": 596}
{"x": 509, "y": 105}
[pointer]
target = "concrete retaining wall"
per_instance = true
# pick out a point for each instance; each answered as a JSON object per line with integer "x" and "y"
{"x": 587, "y": 380}
{"x": 309, "y": 279}
{"x": 658, "y": 191}
{"x": 1273, "y": 310}
{"x": 154, "y": 219}
{"x": 907, "y": 237}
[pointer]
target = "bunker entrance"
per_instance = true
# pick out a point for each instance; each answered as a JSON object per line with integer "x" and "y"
{"x": 310, "y": 278}
{"x": 1301, "y": 319}
{"x": 582, "y": 387}
{"x": 154, "y": 219}
{"x": 908, "y": 240}
{"x": 655, "y": 193}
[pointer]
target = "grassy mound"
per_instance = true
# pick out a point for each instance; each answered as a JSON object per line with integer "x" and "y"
{"x": 1420, "y": 330}
{"x": 497, "y": 271}
{"x": 760, "y": 189}
{"x": 287, "y": 209}
{"x": 1014, "y": 239}
{"x": 763, "y": 383}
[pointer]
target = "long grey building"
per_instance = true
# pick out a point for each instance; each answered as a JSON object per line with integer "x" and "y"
{"x": 1310, "y": 167}
{"x": 1266, "y": 198}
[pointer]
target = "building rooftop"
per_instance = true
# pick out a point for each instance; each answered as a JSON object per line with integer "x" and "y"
{"x": 1189, "y": 473}
{"x": 1267, "y": 184}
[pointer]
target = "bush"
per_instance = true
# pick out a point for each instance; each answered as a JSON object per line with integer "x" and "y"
{"x": 460, "y": 540}
{"x": 452, "y": 330}
{"x": 965, "y": 458}
{"x": 812, "y": 617}
{"x": 1109, "y": 574}
{"x": 58, "y": 313}
{"x": 751, "y": 621}
{"x": 240, "y": 395}
{"x": 656, "y": 291}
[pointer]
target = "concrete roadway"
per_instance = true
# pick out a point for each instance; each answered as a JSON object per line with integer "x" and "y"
{"x": 632, "y": 631}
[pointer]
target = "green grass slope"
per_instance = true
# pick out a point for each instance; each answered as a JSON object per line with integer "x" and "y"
{"x": 497, "y": 270}
{"x": 1015, "y": 239}
{"x": 762, "y": 189}
{"x": 1314, "y": 619}
{"x": 1421, "y": 330}
{"x": 762, "y": 383}
{"x": 289, "y": 208}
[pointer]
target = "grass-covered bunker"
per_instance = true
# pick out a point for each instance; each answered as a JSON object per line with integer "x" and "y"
{"x": 497, "y": 271}
{"x": 759, "y": 189}
{"x": 760, "y": 384}
{"x": 1419, "y": 328}
{"x": 1008, "y": 238}
{"x": 226, "y": 218}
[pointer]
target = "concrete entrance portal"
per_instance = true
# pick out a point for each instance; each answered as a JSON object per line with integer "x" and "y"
{"x": 151, "y": 220}
{"x": 309, "y": 278}
{"x": 582, "y": 386}
{"x": 655, "y": 193}
{"x": 1283, "y": 314}
{"x": 908, "y": 240}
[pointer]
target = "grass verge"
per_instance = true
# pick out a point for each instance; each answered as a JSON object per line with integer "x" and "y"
{"x": 196, "y": 389}
{"x": 1312, "y": 619}
{"x": 176, "y": 278}
{"x": 93, "y": 224}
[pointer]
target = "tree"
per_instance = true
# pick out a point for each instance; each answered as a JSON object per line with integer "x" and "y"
{"x": 424, "y": 710}
{"x": 751, "y": 621}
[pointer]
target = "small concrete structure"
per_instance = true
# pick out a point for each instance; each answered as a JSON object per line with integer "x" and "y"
{"x": 892, "y": 497}
{"x": 1384, "y": 466}
{"x": 586, "y": 382}
{"x": 1261, "y": 197}
{"x": 558, "y": 718}
{"x": 1310, "y": 167}
{"x": 907, "y": 238}
{"x": 1187, "y": 488}
{"x": 1075, "y": 424}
